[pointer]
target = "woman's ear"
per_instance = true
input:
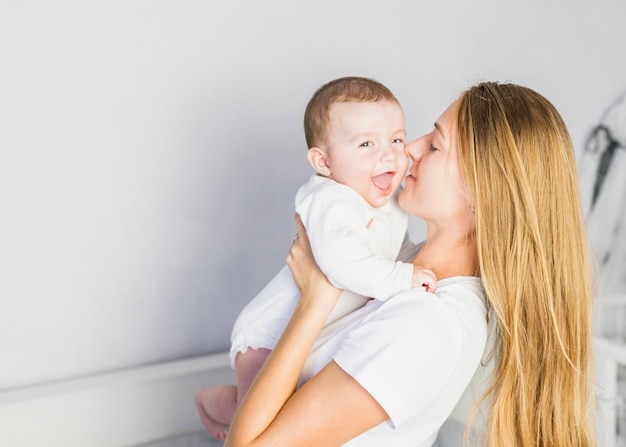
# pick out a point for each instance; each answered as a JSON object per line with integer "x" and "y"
{"x": 319, "y": 160}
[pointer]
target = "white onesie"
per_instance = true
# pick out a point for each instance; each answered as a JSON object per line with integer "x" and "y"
{"x": 355, "y": 245}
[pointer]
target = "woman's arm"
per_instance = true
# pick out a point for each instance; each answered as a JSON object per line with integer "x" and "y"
{"x": 328, "y": 410}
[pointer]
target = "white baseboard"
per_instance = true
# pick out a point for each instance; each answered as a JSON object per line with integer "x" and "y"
{"x": 118, "y": 409}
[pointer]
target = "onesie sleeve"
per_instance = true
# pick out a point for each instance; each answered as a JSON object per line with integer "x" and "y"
{"x": 405, "y": 355}
{"x": 337, "y": 230}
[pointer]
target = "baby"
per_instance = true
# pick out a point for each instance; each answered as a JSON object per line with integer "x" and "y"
{"x": 355, "y": 132}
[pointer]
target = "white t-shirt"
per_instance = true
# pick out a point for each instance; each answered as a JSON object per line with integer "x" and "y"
{"x": 415, "y": 354}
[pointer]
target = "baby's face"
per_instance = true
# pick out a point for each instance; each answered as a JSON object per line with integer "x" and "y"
{"x": 365, "y": 148}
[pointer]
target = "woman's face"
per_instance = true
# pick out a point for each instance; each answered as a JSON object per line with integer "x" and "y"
{"x": 434, "y": 189}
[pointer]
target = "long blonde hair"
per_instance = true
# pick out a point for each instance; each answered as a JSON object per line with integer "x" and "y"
{"x": 519, "y": 165}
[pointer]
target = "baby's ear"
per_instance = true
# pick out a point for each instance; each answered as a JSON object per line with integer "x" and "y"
{"x": 319, "y": 160}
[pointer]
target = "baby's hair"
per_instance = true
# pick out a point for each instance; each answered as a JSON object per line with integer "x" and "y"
{"x": 341, "y": 90}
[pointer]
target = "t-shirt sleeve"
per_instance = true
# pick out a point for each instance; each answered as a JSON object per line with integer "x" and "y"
{"x": 404, "y": 354}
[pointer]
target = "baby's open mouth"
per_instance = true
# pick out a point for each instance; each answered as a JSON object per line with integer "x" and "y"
{"x": 383, "y": 181}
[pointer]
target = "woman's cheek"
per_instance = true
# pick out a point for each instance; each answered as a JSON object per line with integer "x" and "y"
{"x": 405, "y": 197}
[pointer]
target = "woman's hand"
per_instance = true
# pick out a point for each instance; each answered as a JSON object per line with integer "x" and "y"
{"x": 307, "y": 275}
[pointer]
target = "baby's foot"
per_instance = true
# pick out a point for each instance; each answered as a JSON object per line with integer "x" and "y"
{"x": 217, "y": 429}
{"x": 221, "y": 436}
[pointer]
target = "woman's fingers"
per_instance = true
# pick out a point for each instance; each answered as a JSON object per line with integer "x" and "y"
{"x": 301, "y": 230}
{"x": 300, "y": 240}
{"x": 300, "y": 258}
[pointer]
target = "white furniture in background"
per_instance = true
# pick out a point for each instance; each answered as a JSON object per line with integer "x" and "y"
{"x": 610, "y": 362}
{"x": 117, "y": 409}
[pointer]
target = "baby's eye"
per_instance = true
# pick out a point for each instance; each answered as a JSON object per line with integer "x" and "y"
{"x": 366, "y": 144}
{"x": 397, "y": 140}
{"x": 433, "y": 148}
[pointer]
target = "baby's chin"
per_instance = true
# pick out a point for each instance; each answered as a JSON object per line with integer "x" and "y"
{"x": 377, "y": 200}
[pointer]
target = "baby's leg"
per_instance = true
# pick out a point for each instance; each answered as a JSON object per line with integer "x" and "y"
{"x": 217, "y": 406}
{"x": 247, "y": 366}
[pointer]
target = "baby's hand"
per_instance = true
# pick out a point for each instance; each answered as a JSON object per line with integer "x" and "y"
{"x": 424, "y": 278}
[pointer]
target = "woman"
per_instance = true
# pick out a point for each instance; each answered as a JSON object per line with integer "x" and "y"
{"x": 495, "y": 182}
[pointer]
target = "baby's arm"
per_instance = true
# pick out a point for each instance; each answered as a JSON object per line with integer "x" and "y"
{"x": 339, "y": 236}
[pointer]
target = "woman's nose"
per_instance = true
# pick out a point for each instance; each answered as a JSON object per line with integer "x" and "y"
{"x": 413, "y": 149}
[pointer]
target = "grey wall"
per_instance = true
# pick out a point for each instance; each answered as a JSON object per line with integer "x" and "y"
{"x": 150, "y": 150}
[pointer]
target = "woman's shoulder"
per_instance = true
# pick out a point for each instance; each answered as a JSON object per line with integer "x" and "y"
{"x": 464, "y": 288}
{"x": 457, "y": 293}
{"x": 454, "y": 312}
{"x": 464, "y": 298}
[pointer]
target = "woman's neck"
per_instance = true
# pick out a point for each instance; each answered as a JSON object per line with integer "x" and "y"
{"x": 448, "y": 255}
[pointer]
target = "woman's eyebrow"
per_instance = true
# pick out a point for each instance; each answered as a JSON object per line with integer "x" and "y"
{"x": 438, "y": 127}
